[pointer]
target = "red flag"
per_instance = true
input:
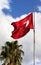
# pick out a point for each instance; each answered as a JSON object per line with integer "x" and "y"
{"x": 21, "y": 28}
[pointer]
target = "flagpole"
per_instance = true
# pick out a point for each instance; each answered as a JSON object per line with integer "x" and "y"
{"x": 34, "y": 37}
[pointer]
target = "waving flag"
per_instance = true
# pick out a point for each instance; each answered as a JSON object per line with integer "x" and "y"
{"x": 21, "y": 28}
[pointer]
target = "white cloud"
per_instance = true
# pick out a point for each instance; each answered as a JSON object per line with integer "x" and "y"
{"x": 37, "y": 62}
{"x": 39, "y": 8}
{"x": 5, "y": 27}
{"x": 4, "y": 4}
{"x": 38, "y": 35}
{"x": 4, "y": 23}
{"x": 40, "y": 0}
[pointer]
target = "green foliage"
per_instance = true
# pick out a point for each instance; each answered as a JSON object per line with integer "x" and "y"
{"x": 11, "y": 53}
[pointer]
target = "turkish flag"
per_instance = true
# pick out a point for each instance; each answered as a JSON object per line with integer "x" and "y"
{"x": 22, "y": 27}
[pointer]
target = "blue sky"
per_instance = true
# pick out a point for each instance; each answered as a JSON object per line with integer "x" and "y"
{"x": 20, "y": 7}
{"x": 12, "y": 10}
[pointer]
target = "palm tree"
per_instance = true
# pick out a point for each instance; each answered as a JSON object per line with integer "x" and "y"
{"x": 12, "y": 53}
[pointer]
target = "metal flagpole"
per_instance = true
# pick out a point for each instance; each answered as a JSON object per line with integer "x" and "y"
{"x": 34, "y": 37}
